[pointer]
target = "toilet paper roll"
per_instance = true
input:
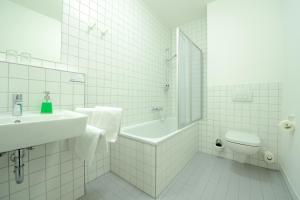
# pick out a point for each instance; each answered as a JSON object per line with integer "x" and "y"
{"x": 287, "y": 126}
{"x": 269, "y": 157}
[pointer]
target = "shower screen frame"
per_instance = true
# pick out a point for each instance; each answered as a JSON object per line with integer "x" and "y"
{"x": 180, "y": 33}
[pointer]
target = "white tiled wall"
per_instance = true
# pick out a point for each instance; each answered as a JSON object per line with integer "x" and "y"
{"x": 261, "y": 117}
{"x": 124, "y": 68}
{"x": 51, "y": 172}
{"x": 152, "y": 168}
{"x": 49, "y": 169}
{"x": 32, "y": 82}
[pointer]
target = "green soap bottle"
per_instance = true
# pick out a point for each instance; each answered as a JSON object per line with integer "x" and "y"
{"x": 46, "y": 107}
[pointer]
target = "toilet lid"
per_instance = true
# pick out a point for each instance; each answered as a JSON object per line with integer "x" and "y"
{"x": 242, "y": 138}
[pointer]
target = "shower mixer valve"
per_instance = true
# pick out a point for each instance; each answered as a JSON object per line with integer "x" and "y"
{"x": 157, "y": 108}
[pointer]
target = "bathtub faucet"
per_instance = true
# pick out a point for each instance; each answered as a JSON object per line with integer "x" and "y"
{"x": 157, "y": 108}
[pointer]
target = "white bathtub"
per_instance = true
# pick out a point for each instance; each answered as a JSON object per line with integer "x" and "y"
{"x": 151, "y": 154}
{"x": 153, "y": 132}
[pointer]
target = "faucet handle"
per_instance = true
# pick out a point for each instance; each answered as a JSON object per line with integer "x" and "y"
{"x": 17, "y": 108}
{"x": 157, "y": 108}
{"x": 17, "y": 97}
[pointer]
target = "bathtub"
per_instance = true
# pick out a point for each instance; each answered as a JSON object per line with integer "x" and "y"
{"x": 152, "y": 132}
{"x": 149, "y": 155}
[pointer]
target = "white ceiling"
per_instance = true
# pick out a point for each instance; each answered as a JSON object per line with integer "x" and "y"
{"x": 176, "y": 12}
{"x": 50, "y": 8}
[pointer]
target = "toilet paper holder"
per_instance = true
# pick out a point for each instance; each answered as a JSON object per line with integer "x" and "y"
{"x": 288, "y": 126}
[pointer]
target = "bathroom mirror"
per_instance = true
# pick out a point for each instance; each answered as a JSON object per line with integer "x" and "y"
{"x": 31, "y": 27}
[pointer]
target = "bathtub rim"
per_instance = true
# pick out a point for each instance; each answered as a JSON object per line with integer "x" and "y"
{"x": 154, "y": 141}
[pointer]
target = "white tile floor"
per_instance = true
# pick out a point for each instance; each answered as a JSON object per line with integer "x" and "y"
{"x": 204, "y": 178}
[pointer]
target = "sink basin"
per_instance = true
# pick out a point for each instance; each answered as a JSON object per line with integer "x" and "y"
{"x": 33, "y": 129}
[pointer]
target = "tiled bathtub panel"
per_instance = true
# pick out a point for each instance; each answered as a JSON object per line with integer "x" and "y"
{"x": 135, "y": 162}
{"x": 173, "y": 154}
{"x": 152, "y": 168}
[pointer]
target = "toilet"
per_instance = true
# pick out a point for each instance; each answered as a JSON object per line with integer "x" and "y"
{"x": 242, "y": 142}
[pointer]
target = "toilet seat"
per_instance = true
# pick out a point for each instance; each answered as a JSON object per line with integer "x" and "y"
{"x": 243, "y": 138}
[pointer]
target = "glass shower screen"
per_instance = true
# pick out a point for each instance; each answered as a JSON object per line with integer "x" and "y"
{"x": 189, "y": 61}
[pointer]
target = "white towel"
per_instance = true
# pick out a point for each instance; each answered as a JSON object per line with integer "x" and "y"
{"x": 103, "y": 127}
{"x": 109, "y": 119}
{"x": 86, "y": 145}
{"x": 86, "y": 111}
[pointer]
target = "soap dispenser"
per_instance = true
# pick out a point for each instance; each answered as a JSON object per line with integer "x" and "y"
{"x": 46, "y": 104}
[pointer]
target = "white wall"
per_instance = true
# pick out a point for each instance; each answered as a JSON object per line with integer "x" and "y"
{"x": 290, "y": 145}
{"x": 244, "y": 41}
{"x": 247, "y": 43}
{"x": 25, "y": 30}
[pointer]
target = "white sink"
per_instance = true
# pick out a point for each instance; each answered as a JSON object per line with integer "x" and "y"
{"x": 33, "y": 129}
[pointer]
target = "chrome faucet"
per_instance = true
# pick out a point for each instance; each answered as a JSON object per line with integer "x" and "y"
{"x": 17, "y": 109}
